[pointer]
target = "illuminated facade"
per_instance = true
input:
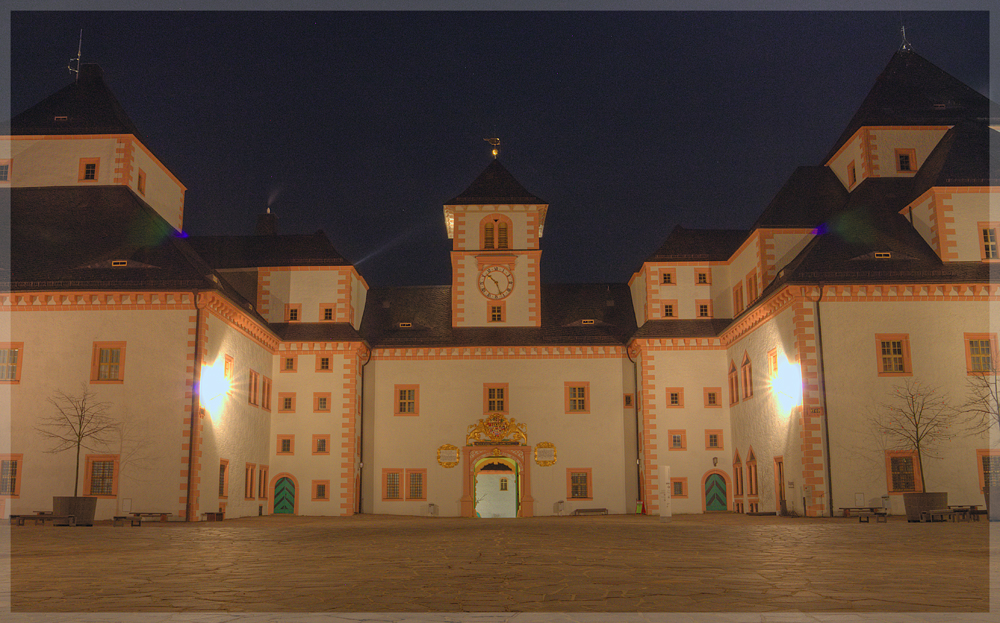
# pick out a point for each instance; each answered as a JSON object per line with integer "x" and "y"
{"x": 266, "y": 377}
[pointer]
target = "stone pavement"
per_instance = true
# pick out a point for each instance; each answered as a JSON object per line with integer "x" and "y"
{"x": 700, "y": 567}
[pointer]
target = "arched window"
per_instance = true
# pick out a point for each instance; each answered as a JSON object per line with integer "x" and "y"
{"x": 488, "y": 236}
{"x": 501, "y": 235}
{"x": 495, "y": 232}
{"x": 503, "y": 484}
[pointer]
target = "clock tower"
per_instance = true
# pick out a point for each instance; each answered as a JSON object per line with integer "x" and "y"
{"x": 495, "y": 226}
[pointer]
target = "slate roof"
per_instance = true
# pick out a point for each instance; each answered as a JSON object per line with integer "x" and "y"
{"x": 807, "y": 199}
{"x": 699, "y": 244}
{"x": 495, "y": 185}
{"x": 961, "y": 158}
{"x": 682, "y": 328}
{"x": 428, "y": 309}
{"x": 315, "y": 332}
{"x": 267, "y": 250}
{"x": 913, "y": 91}
{"x": 68, "y": 237}
{"x": 88, "y": 105}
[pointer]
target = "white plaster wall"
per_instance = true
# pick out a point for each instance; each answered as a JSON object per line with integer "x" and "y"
{"x": 787, "y": 246}
{"x": 638, "y": 288}
{"x": 234, "y": 429}
{"x": 968, "y": 209}
{"x": 163, "y": 193}
{"x": 692, "y": 370}
{"x": 739, "y": 267}
{"x": 477, "y": 306}
{"x": 886, "y": 141}
{"x": 56, "y": 162}
{"x": 304, "y": 422}
{"x": 308, "y": 288}
{"x": 689, "y": 291}
{"x": 921, "y": 216}
{"x": 936, "y": 330}
{"x": 451, "y": 399}
{"x": 471, "y": 216}
{"x": 839, "y": 163}
{"x": 359, "y": 297}
{"x": 58, "y": 347}
{"x": 762, "y": 421}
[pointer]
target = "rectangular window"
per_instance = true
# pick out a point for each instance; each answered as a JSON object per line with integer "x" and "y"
{"x": 286, "y": 444}
{"x": 10, "y": 484}
{"x": 679, "y": 487}
{"x": 702, "y": 276}
{"x": 5, "y": 171}
{"x": 906, "y": 160}
{"x": 10, "y": 361}
{"x": 713, "y": 397}
{"x": 893, "y": 351}
{"x": 904, "y": 473}
{"x": 252, "y": 386}
{"x": 108, "y": 364}
{"x": 416, "y": 484}
{"x": 290, "y": 363}
{"x": 321, "y": 402}
{"x": 628, "y": 401}
{"x": 496, "y": 311}
{"x": 407, "y": 399}
{"x": 852, "y": 174}
{"x": 262, "y": 483}
{"x": 989, "y": 468}
{"x": 392, "y": 484}
{"x": 327, "y": 314}
{"x": 503, "y": 484}
{"x": 737, "y": 299}
{"x": 488, "y": 231}
{"x": 670, "y": 310}
{"x": 141, "y": 184}
{"x": 579, "y": 484}
{"x": 501, "y": 235}
{"x": 223, "y": 478}
{"x": 678, "y": 439}
{"x": 980, "y": 352}
{"x": 988, "y": 241}
{"x": 495, "y": 397}
{"x": 668, "y": 276}
{"x": 576, "y": 397}
{"x": 675, "y": 397}
{"x": 286, "y": 402}
{"x": 321, "y": 444}
{"x": 227, "y": 369}
{"x": 713, "y": 440}
{"x": 89, "y": 169}
{"x": 248, "y": 474}
{"x": 265, "y": 394}
{"x": 772, "y": 363}
{"x": 751, "y": 287}
{"x": 704, "y": 308}
{"x": 293, "y": 312}
{"x": 320, "y": 490}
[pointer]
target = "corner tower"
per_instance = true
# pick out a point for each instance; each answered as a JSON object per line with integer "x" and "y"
{"x": 496, "y": 225}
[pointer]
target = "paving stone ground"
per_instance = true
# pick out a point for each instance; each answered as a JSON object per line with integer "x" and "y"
{"x": 720, "y": 563}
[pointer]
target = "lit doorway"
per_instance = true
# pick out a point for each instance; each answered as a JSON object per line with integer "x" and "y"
{"x": 495, "y": 488}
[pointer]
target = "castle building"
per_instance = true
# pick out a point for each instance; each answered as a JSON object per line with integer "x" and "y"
{"x": 260, "y": 374}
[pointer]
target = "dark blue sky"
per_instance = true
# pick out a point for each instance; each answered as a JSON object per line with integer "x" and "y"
{"x": 364, "y": 124}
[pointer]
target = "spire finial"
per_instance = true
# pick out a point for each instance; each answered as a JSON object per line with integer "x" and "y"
{"x": 77, "y": 59}
{"x": 496, "y": 145}
{"x": 906, "y": 44}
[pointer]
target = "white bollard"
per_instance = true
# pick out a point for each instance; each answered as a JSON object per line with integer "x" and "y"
{"x": 666, "y": 513}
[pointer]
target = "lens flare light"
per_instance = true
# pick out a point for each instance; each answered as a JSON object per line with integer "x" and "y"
{"x": 214, "y": 385}
{"x": 787, "y": 385}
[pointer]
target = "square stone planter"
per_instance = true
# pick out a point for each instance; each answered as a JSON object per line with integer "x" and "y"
{"x": 83, "y": 508}
{"x": 916, "y": 503}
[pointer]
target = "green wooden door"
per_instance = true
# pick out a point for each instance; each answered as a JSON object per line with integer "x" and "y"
{"x": 284, "y": 496}
{"x": 715, "y": 493}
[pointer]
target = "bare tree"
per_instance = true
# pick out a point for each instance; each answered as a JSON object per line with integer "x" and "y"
{"x": 916, "y": 418}
{"x": 130, "y": 435}
{"x": 79, "y": 421}
{"x": 980, "y": 407}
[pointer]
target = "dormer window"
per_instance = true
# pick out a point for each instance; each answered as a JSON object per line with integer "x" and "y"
{"x": 906, "y": 160}
{"x": 589, "y": 321}
{"x": 60, "y": 118}
{"x": 405, "y": 325}
{"x": 119, "y": 263}
{"x": 882, "y": 255}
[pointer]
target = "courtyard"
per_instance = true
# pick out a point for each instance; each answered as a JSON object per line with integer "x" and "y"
{"x": 693, "y": 564}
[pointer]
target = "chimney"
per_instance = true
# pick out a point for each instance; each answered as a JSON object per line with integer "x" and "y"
{"x": 267, "y": 225}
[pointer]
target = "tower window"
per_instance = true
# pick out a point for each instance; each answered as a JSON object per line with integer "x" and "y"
{"x": 501, "y": 235}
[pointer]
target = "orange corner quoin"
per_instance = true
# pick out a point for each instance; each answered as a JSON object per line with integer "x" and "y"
{"x": 744, "y": 360}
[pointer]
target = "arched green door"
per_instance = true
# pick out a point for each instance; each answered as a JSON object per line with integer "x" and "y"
{"x": 715, "y": 493}
{"x": 284, "y": 496}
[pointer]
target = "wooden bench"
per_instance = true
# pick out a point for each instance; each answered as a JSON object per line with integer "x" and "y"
{"x": 880, "y": 515}
{"x": 118, "y": 520}
{"x": 849, "y": 510}
{"x": 41, "y": 518}
{"x": 137, "y": 517}
{"x": 213, "y": 516}
{"x": 945, "y": 514}
{"x": 590, "y": 511}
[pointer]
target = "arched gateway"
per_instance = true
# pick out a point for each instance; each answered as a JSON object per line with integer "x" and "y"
{"x": 497, "y": 445}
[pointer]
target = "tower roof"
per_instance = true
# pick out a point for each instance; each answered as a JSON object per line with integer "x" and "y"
{"x": 912, "y": 91}
{"x": 85, "y": 107}
{"x": 495, "y": 185}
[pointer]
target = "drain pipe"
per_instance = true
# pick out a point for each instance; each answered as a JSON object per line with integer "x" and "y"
{"x": 822, "y": 394}
{"x": 638, "y": 425}
{"x": 189, "y": 510}
{"x": 361, "y": 432}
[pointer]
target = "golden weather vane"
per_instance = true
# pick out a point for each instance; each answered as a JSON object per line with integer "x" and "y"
{"x": 79, "y": 49}
{"x": 496, "y": 145}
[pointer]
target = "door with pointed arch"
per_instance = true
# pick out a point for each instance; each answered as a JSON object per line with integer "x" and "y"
{"x": 715, "y": 493}
{"x": 284, "y": 496}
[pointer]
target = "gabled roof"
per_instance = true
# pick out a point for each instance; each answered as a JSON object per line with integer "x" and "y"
{"x": 495, "y": 185}
{"x": 428, "y": 310}
{"x": 961, "y": 158}
{"x": 69, "y": 237}
{"x": 88, "y": 105}
{"x": 699, "y": 245}
{"x": 267, "y": 250}
{"x": 913, "y": 91}
{"x": 807, "y": 199}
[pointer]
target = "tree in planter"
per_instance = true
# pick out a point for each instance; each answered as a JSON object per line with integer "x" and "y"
{"x": 916, "y": 418}
{"x": 80, "y": 421}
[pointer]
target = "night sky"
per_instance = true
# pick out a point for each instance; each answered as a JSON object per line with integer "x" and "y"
{"x": 363, "y": 124}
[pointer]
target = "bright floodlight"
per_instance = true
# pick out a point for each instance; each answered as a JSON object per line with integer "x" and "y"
{"x": 787, "y": 385}
{"x": 214, "y": 385}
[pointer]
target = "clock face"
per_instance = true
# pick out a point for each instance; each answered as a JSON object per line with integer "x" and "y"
{"x": 496, "y": 282}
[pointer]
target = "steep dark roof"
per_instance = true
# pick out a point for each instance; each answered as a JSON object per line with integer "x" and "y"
{"x": 807, "y": 199}
{"x": 961, "y": 158}
{"x": 267, "y": 250}
{"x": 913, "y": 91}
{"x": 682, "y": 328}
{"x": 495, "y": 185}
{"x": 699, "y": 244}
{"x": 564, "y": 307}
{"x": 69, "y": 236}
{"x": 88, "y": 105}
{"x": 315, "y": 332}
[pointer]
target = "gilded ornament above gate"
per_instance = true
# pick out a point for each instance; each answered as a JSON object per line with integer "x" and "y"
{"x": 496, "y": 429}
